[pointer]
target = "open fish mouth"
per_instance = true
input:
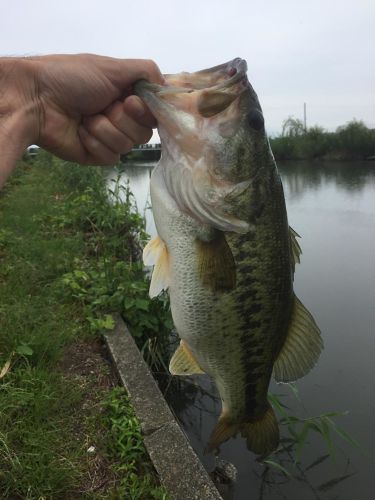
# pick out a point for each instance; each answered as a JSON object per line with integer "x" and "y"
{"x": 223, "y": 76}
{"x": 218, "y": 85}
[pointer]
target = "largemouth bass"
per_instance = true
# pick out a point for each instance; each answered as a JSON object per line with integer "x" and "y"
{"x": 224, "y": 249}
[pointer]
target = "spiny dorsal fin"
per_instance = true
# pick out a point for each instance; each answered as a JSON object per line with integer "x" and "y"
{"x": 295, "y": 246}
{"x": 301, "y": 348}
{"x": 216, "y": 266}
{"x": 155, "y": 254}
{"x": 183, "y": 361}
{"x": 262, "y": 435}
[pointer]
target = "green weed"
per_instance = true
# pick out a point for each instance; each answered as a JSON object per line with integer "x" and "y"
{"x": 300, "y": 429}
{"x": 109, "y": 277}
{"x": 127, "y": 449}
{"x": 64, "y": 269}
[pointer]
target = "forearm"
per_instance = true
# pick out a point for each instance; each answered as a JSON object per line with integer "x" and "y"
{"x": 78, "y": 107}
{"x": 17, "y": 113}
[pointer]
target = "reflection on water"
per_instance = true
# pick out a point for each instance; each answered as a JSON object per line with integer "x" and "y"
{"x": 137, "y": 176}
{"x": 332, "y": 206}
{"x": 301, "y": 176}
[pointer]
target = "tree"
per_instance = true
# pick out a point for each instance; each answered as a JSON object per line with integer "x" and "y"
{"x": 355, "y": 138}
{"x": 292, "y": 127}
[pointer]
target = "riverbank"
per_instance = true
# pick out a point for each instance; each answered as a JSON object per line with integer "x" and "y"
{"x": 68, "y": 258}
{"x": 353, "y": 141}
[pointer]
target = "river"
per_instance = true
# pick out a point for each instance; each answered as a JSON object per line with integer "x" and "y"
{"x": 332, "y": 207}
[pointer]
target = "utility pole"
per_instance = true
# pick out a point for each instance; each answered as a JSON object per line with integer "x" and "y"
{"x": 304, "y": 116}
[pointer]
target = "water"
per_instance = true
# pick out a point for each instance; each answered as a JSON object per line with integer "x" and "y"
{"x": 332, "y": 206}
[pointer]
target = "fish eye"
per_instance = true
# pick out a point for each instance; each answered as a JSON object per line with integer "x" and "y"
{"x": 255, "y": 119}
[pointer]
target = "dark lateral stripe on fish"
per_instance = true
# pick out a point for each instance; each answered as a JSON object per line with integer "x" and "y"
{"x": 253, "y": 324}
{"x": 247, "y": 269}
{"x": 254, "y": 399}
{"x": 246, "y": 296}
{"x": 250, "y": 398}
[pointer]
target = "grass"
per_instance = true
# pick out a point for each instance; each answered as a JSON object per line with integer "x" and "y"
{"x": 127, "y": 448}
{"x": 63, "y": 422}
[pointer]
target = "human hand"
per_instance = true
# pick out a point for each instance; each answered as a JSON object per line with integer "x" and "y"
{"x": 86, "y": 111}
{"x": 79, "y": 107}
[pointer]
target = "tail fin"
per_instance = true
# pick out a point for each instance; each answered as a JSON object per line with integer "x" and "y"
{"x": 262, "y": 435}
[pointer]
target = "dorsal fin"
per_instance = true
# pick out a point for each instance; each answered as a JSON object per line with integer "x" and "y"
{"x": 183, "y": 361}
{"x": 301, "y": 348}
{"x": 156, "y": 254}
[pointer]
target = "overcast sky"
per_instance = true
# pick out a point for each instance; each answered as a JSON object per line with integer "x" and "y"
{"x": 321, "y": 52}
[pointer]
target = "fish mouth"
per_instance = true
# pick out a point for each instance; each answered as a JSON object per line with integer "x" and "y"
{"x": 223, "y": 76}
{"x": 204, "y": 93}
{"x": 217, "y": 78}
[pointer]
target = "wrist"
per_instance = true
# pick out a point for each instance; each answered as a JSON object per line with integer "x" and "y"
{"x": 19, "y": 108}
{"x": 19, "y": 115}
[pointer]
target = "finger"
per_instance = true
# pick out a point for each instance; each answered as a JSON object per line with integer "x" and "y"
{"x": 101, "y": 128}
{"x": 137, "y": 109}
{"x": 119, "y": 116}
{"x": 145, "y": 69}
{"x": 96, "y": 152}
{"x": 124, "y": 72}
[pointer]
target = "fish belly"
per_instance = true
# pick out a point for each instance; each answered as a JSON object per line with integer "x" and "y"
{"x": 211, "y": 323}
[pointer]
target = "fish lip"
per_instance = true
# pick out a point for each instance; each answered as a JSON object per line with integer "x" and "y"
{"x": 240, "y": 65}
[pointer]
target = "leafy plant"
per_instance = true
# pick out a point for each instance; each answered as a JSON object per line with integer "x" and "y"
{"x": 300, "y": 429}
{"x": 64, "y": 270}
{"x": 127, "y": 448}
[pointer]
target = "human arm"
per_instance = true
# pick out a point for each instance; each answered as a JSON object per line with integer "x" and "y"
{"x": 79, "y": 107}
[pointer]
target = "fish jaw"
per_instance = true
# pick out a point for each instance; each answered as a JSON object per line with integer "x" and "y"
{"x": 210, "y": 152}
{"x": 187, "y": 107}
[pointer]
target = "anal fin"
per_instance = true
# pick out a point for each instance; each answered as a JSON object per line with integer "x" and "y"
{"x": 156, "y": 254}
{"x": 301, "y": 348}
{"x": 183, "y": 362}
{"x": 223, "y": 430}
{"x": 216, "y": 266}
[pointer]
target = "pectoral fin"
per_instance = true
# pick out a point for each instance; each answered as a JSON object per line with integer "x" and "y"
{"x": 155, "y": 254}
{"x": 216, "y": 266}
{"x": 183, "y": 362}
{"x": 301, "y": 348}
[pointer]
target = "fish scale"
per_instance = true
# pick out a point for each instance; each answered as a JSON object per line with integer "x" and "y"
{"x": 224, "y": 249}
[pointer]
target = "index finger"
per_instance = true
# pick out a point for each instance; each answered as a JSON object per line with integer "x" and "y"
{"x": 124, "y": 72}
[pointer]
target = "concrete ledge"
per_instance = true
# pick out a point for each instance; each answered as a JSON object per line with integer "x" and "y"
{"x": 178, "y": 466}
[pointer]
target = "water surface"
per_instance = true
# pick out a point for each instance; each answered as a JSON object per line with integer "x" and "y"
{"x": 332, "y": 207}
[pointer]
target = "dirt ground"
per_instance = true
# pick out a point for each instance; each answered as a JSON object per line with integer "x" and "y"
{"x": 86, "y": 362}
